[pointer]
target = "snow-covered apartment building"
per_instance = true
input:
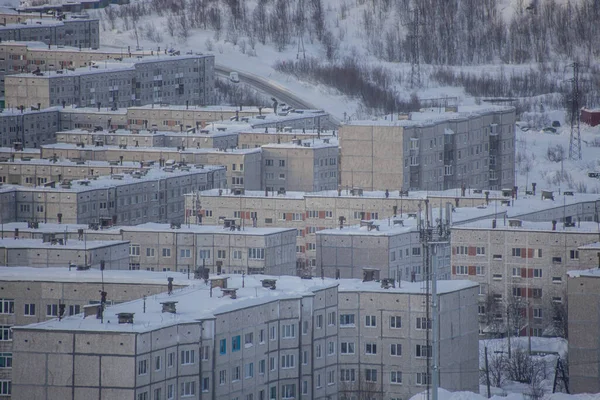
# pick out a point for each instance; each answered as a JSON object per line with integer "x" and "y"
{"x": 309, "y": 213}
{"x": 524, "y": 256}
{"x": 73, "y": 32}
{"x": 432, "y": 150}
{"x": 159, "y": 79}
{"x": 31, "y": 295}
{"x": 152, "y": 247}
{"x": 253, "y": 338}
{"x": 142, "y": 195}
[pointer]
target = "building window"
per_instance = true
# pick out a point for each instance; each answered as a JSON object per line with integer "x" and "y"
{"x": 5, "y": 360}
{"x": 166, "y": 252}
{"x": 205, "y": 384}
{"x": 235, "y": 374}
{"x": 537, "y": 272}
{"x": 142, "y": 396}
{"x": 288, "y": 361}
{"x": 157, "y": 363}
{"x": 370, "y": 375}
{"x": 52, "y": 310}
{"x": 185, "y": 253}
{"x": 288, "y": 391}
{"x": 396, "y": 349}
{"x": 395, "y": 322}
{"x": 480, "y": 251}
{"x": 170, "y": 391}
{"x": 318, "y": 352}
{"x": 134, "y": 249}
{"x": 5, "y": 387}
{"x": 288, "y": 331}
{"x": 273, "y": 333}
{"x": 330, "y": 348}
{"x": 537, "y": 293}
{"x": 221, "y": 254}
{"x": 171, "y": 359}
{"x": 222, "y": 377}
{"x": 331, "y": 318}
{"x": 370, "y": 348}
{"x": 371, "y": 321}
{"x": 396, "y": 377}
{"x": 188, "y": 389}
{"x": 7, "y": 306}
{"x": 235, "y": 343}
{"x": 249, "y": 339}
{"x": 256, "y": 254}
{"x": 142, "y": 367}
{"x": 272, "y": 364}
{"x": 347, "y": 375}
{"x": 574, "y": 254}
{"x": 249, "y": 370}
{"x": 330, "y": 377}
{"x": 158, "y": 394}
{"x": 346, "y": 320}
{"x": 262, "y": 366}
{"x": 423, "y": 323}
{"x": 347, "y": 347}
{"x": 423, "y": 378}
{"x": 29, "y": 309}
{"x": 204, "y": 254}
{"x": 319, "y": 322}
{"x": 150, "y": 252}
{"x": 187, "y": 357}
{"x": 461, "y": 270}
{"x": 537, "y": 313}
{"x": 480, "y": 270}
{"x": 516, "y": 252}
{"x": 422, "y": 351}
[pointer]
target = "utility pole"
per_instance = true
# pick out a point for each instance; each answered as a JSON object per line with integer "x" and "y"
{"x": 431, "y": 237}
{"x": 415, "y": 56}
{"x": 575, "y": 138}
{"x": 487, "y": 373}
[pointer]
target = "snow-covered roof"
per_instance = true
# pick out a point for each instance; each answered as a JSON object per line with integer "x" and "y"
{"x": 450, "y": 194}
{"x": 192, "y": 228}
{"x": 504, "y": 224}
{"x": 105, "y": 181}
{"x": 588, "y": 273}
{"x": 188, "y": 150}
{"x": 305, "y": 144}
{"x": 69, "y": 245}
{"x": 192, "y": 108}
{"x": 55, "y": 274}
{"x": 70, "y": 163}
{"x": 428, "y": 118}
{"x": 253, "y": 293}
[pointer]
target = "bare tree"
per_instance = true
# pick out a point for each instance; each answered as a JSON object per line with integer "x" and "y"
{"x": 359, "y": 389}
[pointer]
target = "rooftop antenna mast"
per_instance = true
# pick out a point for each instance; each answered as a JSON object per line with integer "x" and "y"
{"x": 575, "y": 139}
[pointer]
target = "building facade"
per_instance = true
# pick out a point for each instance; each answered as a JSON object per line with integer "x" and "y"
{"x": 291, "y": 339}
{"x": 473, "y": 148}
{"x": 84, "y": 33}
{"x": 312, "y": 212}
{"x": 584, "y": 324}
{"x": 165, "y": 79}
{"x": 137, "y": 197}
{"x": 305, "y": 166}
{"x": 32, "y": 296}
{"x": 519, "y": 265}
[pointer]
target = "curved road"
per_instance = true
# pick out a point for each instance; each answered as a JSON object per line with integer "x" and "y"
{"x": 271, "y": 88}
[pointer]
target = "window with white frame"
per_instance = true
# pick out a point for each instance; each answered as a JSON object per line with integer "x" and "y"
{"x": 347, "y": 375}
{"x": 235, "y": 373}
{"x": 423, "y": 378}
{"x": 396, "y": 377}
{"x": 188, "y": 389}
{"x": 256, "y": 253}
{"x": 7, "y": 306}
{"x": 29, "y": 309}
{"x": 346, "y": 320}
{"x": 330, "y": 348}
{"x": 347, "y": 347}
{"x": 395, "y": 322}
{"x": 142, "y": 367}
{"x": 185, "y": 253}
{"x": 422, "y": 351}
{"x": 331, "y": 318}
{"x": 5, "y": 387}
{"x": 288, "y": 391}
{"x": 187, "y": 357}
{"x": 423, "y": 323}
{"x": 396, "y": 349}
{"x": 288, "y": 331}
{"x": 5, "y": 360}
{"x": 134, "y": 249}
{"x": 248, "y": 370}
{"x": 222, "y": 377}
{"x": 370, "y": 375}
{"x": 371, "y": 321}
{"x": 371, "y": 348}
{"x": 288, "y": 361}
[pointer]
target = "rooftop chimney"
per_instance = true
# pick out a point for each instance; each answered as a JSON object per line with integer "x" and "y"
{"x": 125, "y": 318}
{"x": 169, "y": 306}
